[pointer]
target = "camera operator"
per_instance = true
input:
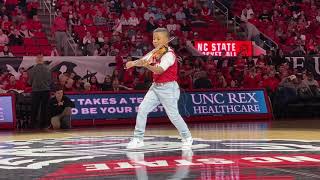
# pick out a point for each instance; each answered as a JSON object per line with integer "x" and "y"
{"x": 60, "y": 110}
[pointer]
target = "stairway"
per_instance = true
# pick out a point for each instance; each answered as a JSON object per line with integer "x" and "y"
{"x": 221, "y": 12}
{"x": 44, "y": 16}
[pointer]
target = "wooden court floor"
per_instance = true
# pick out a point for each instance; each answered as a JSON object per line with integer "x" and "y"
{"x": 272, "y": 150}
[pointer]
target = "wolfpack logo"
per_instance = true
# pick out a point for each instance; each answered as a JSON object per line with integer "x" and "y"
{"x": 36, "y": 154}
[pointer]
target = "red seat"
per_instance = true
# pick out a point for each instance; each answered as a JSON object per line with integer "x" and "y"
{"x": 78, "y": 29}
{"x": 43, "y": 42}
{"x": 40, "y": 35}
{"x": 46, "y": 50}
{"x": 92, "y": 30}
{"x": 33, "y": 50}
{"x": 28, "y": 42}
{"x": 18, "y": 50}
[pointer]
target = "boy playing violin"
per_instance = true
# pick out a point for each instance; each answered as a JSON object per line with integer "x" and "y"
{"x": 164, "y": 90}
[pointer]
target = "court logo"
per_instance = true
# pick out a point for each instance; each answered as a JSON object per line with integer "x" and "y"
{"x": 36, "y": 154}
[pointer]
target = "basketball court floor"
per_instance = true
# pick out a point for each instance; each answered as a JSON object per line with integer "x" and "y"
{"x": 272, "y": 150}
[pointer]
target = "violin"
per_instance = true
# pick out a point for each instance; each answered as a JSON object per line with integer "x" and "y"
{"x": 157, "y": 52}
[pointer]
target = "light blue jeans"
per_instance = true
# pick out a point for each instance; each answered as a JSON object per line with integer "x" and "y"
{"x": 168, "y": 95}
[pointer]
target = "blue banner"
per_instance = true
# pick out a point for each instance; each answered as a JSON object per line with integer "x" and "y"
{"x": 217, "y": 103}
{"x": 6, "y": 111}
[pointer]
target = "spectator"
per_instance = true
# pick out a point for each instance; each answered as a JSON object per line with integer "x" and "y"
{"x": 74, "y": 20}
{"x": 221, "y": 81}
{"x": 288, "y": 82}
{"x": 205, "y": 12}
{"x": 247, "y": 13}
{"x": 149, "y": 14}
{"x": 4, "y": 40}
{"x": 95, "y": 86}
{"x": 99, "y": 20}
{"x": 32, "y": 8}
{"x": 195, "y": 12}
{"x": 185, "y": 27}
{"x": 40, "y": 80}
{"x": 300, "y": 37}
{"x": 180, "y": 15}
{"x": 12, "y": 84}
{"x": 151, "y": 25}
{"x": 65, "y": 8}
{"x": 5, "y": 24}
{"x": 137, "y": 38}
{"x": 6, "y": 52}
{"x": 25, "y": 31}
{"x": 128, "y": 77}
{"x": 88, "y": 44}
{"x": 11, "y": 29}
{"x": 78, "y": 85}
{"x": 60, "y": 110}
{"x": 252, "y": 33}
{"x": 172, "y": 26}
{"x": 54, "y": 52}
{"x": 59, "y": 29}
{"x": 133, "y": 20}
{"x": 318, "y": 17}
{"x": 102, "y": 51}
{"x": 139, "y": 4}
{"x": 113, "y": 51}
{"x": 251, "y": 79}
{"x": 311, "y": 46}
{"x": 107, "y": 84}
{"x": 294, "y": 7}
{"x": 276, "y": 16}
{"x": 185, "y": 81}
{"x": 88, "y": 20}
{"x": 36, "y": 25}
{"x": 123, "y": 20}
{"x": 16, "y": 38}
{"x": 87, "y": 87}
{"x": 265, "y": 16}
{"x": 168, "y": 13}
{"x": 136, "y": 51}
{"x": 18, "y": 16}
{"x": 202, "y": 82}
{"x": 22, "y": 82}
{"x": 159, "y": 15}
{"x": 4, "y": 11}
{"x": 117, "y": 28}
{"x": 115, "y": 84}
{"x": 310, "y": 81}
{"x": 223, "y": 61}
{"x": 100, "y": 39}
{"x": 303, "y": 90}
{"x": 229, "y": 37}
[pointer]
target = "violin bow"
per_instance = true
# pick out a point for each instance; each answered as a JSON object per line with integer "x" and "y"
{"x": 148, "y": 55}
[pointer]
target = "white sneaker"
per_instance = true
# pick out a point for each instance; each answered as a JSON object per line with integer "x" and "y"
{"x": 187, "y": 143}
{"x": 135, "y": 143}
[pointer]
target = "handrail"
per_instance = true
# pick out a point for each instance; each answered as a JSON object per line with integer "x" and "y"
{"x": 48, "y": 7}
{"x": 235, "y": 23}
{"x": 261, "y": 33}
{"x": 225, "y": 7}
{"x": 222, "y": 9}
{"x": 70, "y": 39}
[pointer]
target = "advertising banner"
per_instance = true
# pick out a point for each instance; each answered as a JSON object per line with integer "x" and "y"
{"x": 7, "y": 116}
{"x": 214, "y": 103}
{"x": 309, "y": 63}
{"x": 232, "y": 48}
